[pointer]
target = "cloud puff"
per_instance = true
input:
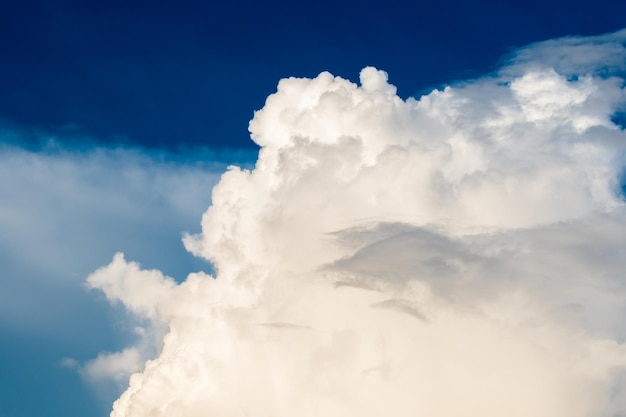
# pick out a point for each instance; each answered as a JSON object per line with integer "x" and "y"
{"x": 452, "y": 255}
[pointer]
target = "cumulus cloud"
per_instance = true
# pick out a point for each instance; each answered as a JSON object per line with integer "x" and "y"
{"x": 456, "y": 254}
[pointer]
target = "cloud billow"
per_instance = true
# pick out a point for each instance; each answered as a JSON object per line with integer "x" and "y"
{"x": 457, "y": 254}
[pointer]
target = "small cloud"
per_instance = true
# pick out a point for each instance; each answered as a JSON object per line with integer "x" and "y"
{"x": 116, "y": 366}
{"x": 69, "y": 363}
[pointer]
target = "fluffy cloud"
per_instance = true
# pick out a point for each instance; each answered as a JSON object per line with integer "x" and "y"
{"x": 452, "y": 255}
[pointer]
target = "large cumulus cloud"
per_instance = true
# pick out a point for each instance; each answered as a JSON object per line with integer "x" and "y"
{"x": 450, "y": 255}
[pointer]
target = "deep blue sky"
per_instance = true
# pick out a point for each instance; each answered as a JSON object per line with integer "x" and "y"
{"x": 187, "y": 74}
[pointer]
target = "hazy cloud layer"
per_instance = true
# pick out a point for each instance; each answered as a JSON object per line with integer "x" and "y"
{"x": 65, "y": 212}
{"x": 459, "y": 254}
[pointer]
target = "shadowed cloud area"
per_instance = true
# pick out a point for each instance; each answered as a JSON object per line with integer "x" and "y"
{"x": 455, "y": 254}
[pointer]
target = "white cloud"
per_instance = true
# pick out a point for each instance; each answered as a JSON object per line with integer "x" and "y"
{"x": 114, "y": 366}
{"x": 459, "y": 254}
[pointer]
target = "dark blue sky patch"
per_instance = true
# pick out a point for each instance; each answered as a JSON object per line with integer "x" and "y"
{"x": 619, "y": 119}
{"x": 159, "y": 75}
{"x": 621, "y": 179}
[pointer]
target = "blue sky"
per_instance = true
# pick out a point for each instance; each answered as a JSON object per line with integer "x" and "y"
{"x": 117, "y": 119}
{"x": 113, "y": 71}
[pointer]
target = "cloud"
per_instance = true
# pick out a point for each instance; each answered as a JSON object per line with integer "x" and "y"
{"x": 450, "y": 255}
{"x": 113, "y": 365}
{"x": 65, "y": 212}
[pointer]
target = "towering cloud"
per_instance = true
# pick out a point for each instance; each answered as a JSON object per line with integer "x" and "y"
{"x": 460, "y": 254}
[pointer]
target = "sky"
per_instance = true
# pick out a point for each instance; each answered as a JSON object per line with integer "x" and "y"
{"x": 410, "y": 200}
